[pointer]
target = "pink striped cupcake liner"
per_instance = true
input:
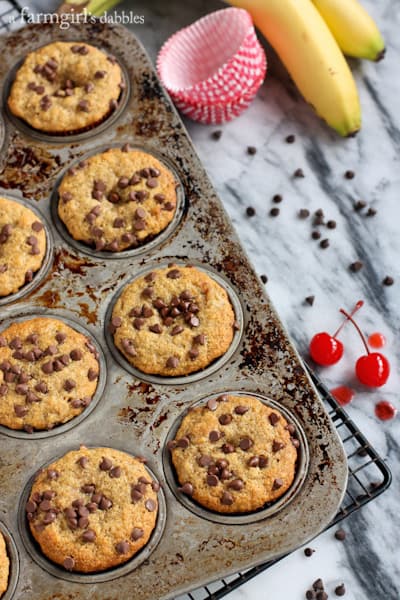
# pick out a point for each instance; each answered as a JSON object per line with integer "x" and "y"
{"x": 213, "y": 68}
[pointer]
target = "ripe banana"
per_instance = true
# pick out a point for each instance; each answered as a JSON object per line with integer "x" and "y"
{"x": 352, "y": 27}
{"x": 310, "y": 53}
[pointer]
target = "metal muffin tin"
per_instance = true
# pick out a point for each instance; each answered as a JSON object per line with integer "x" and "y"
{"x": 135, "y": 414}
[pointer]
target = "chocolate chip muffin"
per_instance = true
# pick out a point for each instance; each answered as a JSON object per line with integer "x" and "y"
{"x": 4, "y": 566}
{"x": 48, "y": 374}
{"x": 118, "y": 199}
{"x": 234, "y": 454}
{"x": 92, "y": 509}
{"x": 173, "y": 321}
{"x": 22, "y": 246}
{"x": 66, "y": 87}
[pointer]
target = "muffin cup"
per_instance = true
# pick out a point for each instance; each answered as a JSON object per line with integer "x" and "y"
{"x": 215, "y": 62}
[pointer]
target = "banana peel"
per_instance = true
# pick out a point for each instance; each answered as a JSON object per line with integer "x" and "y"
{"x": 312, "y": 56}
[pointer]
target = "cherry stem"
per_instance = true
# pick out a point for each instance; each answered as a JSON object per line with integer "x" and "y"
{"x": 357, "y": 307}
{"x": 349, "y": 318}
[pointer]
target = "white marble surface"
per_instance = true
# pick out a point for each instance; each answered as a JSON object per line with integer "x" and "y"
{"x": 369, "y": 561}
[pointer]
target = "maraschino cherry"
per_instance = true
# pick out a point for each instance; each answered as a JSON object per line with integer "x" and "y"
{"x": 373, "y": 368}
{"x": 326, "y": 349}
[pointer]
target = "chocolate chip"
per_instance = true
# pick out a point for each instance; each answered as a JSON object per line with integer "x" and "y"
{"x": 274, "y": 212}
{"x": 303, "y": 213}
{"x": 115, "y": 472}
{"x": 324, "y": 243}
{"x": 309, "y": 300}
{"x": 331, "y": 224}
{"x": 136, "y": 534}
{"x": 250, "y": 211}
{"x": 183, "y": 442}
{"x": 128, "y": 347}
{"x": 214, "y": 436}
{"x": 139, "y": 225}
{"x": 52, "y": 474}
{"x": 253, "y": 461}
{"x": 212, "y": 480}
{"x": 340, "y": 590}
{"x": 388, "y": 281}
{"x": 69, "y": 385}
{"x": 83, "y": 461}
{"x": 225, "y": 419}
{"x": 359, "y": 205}
{"x": 83, "y": 105}
{"x": 113, "y": 104}
{"x": 76, "y": 354}
{"x": 298, "y": 173}
{"x": 152, "y": 182}
{"x": 105, "y": 503}
{"x": 340, "y": 535}
{"x": 174, "y": 274}
{"x": 322, "y": 596}
{"x": 356, "y": 266}
{"x": 236, "y": 484}
{"x": 216, "y": 135}
{"x": 122, "y": 547}
{"x": 277, "y": 445}
{"x": 187, "y": 489}
{"x": 228, "y": 448}
{"x": 227, "y": 499}
{"x": 37, "y": 226}
{"x": 309, "y": 552}
{"x": 290, "y": 139}
{"x": 245, "y": 444}
{"x": 69, "y": 563}
{"x": 349, "y": 174}
{"x": 105, "y": 464}
{"x": 100, "y": 74}
{"x": 315, "y": 235}
{"x": 20, "y": 410}
{"x": 278, "y": 483}
{"x": 240, "y": 409}
{"x": 204, "y": 460}
{"x": 310, "y": 595}
{"x": 3, "y": 268}
{"x": 113, "y": 197}
{"x": 151, "y": 505}
{"x": 251, "y": 150}
{"x": 172, "y": 362}
{"x": 89, "y": 535}
{"x": 168, "y": 206}
{"x": 3, "y": 389}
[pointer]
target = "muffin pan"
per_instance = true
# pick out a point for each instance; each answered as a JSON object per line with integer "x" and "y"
{"x": 138, "y": 413}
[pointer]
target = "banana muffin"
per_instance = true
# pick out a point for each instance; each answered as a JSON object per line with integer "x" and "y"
{"x": 118, "y": 199}
{"x": 22, "y": 246}
{"x": 173, "y": 321}
{"x": 234, "y": 454}
{"x": 92, "y": 509}
{"x": 4, "y": 566}
{"x": 66, "y": 87}
{"x": 48, "y": 374}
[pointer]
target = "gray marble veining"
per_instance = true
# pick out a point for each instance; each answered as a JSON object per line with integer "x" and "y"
{"x": 281, "y": 247}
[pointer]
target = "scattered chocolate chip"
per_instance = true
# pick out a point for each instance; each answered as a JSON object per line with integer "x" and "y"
{"x": 290, "y": 139}
{"x": 340, "y": 535}
{"x": 310, "y": 595}
{"x": 331, "y": 224}
{"x": 349, "y": 174}
{"x": 274, "y": 212}
{"x": 318, "y": 585}
{"x": 359, "y": 205}
{"x": 251, "y": 150}
{"x": 216, "y": 135}
{"x": 324, "y": 243}
{"x": 340, "y": 590}
{"x": 277, "y": 199}
{"x": 309, "y": 300}
{"x": 309, "y": 551}
{"x": 298, "y": 173}
{"x": 303, "y": 213}
{"x": 264, "y": 278}
{"x": 371, "y": 212}
{"x": 315, "y": 235}
{"x": 356, "y": 266}
{"x": 388, "y": 281}
{"x": 250, "y": 211}
{"x": 322, "y": 595}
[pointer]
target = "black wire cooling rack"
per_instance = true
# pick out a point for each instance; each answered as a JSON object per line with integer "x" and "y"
{"x": 369, "y": 476}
